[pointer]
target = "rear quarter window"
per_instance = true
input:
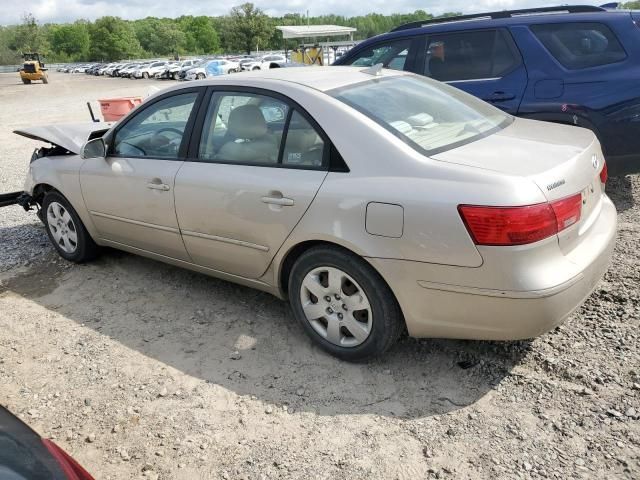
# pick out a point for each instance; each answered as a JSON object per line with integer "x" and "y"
{"x": 580, "y": 45}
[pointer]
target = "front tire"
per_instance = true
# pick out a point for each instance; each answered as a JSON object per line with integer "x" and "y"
{"x": 343, "y": 304}
{"x": 66, "y": 231}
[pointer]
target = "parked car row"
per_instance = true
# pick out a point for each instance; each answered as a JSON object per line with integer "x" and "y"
{"x": 191, "y": 69}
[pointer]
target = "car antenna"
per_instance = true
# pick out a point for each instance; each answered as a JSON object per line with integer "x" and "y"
{"x": 375, "y": 70}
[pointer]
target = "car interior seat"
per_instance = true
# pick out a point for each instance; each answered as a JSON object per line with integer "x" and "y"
{"x": 303, "y": 147}
{"x": 248, "y": 139}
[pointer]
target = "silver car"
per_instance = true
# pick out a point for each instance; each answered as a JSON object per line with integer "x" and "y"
{"x": 375, "y": 201}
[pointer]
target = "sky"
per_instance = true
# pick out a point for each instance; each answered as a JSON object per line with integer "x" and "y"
{"x": 59, "y": 11}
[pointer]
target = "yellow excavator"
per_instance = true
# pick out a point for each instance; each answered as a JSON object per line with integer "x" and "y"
{"x": 33, "y": 69}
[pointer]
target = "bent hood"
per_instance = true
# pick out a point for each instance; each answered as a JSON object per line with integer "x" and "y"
{"x": 68, "y": 136}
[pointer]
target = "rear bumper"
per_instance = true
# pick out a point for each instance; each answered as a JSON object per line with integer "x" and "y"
{"x": 454, "y": 302}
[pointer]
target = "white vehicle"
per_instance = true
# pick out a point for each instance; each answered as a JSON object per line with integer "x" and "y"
{"x": 105, "y": 69}
{"x": 213, "y": 68}
{"x": 80, "y": 69}
{"x": 149, "y": 70}
{"x": 196, "y": 73}
{"x": 163, "y": 72}
{"x": 110, "y": 68}
{"x": 222, "y": 67}
{"x": 172, "y": 70}
{"x": 126, "y": 70}
{"x": 264, "y": 63}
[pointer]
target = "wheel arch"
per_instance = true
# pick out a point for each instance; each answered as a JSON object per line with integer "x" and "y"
{"x": 72, "y": 194}
{"x": 40, "y": 189}
{"x": 295, "y": 251}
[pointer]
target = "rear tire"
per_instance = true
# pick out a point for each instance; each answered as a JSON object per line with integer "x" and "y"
{"x": 66, "y": 231}
{"x": 26, "y": 81}
{"x": 145, "y": 75}
{"x": 199, "y": 76}
{"x": 353, "y": 314}
{"x": 45, "y": 79}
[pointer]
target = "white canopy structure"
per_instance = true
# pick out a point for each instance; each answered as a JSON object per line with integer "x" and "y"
{"x": 314, "y": 31}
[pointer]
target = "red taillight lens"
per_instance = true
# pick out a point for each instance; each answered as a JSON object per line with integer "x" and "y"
{"x": 567, "y": 211}
{"x": 604, "y": 174}
{"x": 520, "y": 225}
{"x": 71, "y": 469}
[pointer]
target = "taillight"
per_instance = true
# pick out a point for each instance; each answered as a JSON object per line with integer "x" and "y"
{"x": 520, "y": 225}
{"x": 71, "y": 469}
{"x": 604, "y": 174}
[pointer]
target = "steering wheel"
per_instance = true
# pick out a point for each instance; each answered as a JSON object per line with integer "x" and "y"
{"x": 162, "y": 142}
{"x": 134, "y": 146}
{"x": 168, "y": 129}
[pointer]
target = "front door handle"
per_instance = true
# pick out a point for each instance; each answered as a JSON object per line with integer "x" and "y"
{"x": 500, "y": 97}
{"x": 156, "y": 184}
{"x": 276, "y": 198}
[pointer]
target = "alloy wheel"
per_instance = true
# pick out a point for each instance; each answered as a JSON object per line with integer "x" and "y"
{"x": 62, "y": 228}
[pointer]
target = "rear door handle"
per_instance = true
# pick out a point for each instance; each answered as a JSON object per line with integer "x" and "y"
{"x": 500, "y": 97}
{"x": 276, "y": 198}
{"x": 156, "y": 184}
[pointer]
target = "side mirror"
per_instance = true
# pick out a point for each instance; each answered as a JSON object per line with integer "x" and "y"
{"x": 95, "y": 148}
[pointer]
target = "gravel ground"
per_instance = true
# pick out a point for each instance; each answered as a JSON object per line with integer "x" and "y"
{"x": 143, "y": 370}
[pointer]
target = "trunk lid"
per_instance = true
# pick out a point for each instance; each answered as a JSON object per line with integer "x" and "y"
{"x": 71, "y": 137}
{"x": 561, "y": 160}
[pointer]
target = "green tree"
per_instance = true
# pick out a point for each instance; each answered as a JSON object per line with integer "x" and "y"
{"x": 70, "y": 40}
{"x": 29, "y": 36}
{"x": 200, "y": 34}
{"x": 246, "y": 28}
{"x": 631, "y": 5}
{"x": 113, "y": 39}
{"x": 160, "y": 36}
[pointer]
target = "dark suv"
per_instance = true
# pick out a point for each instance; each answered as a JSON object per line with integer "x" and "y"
{"x": 577, "y": 65}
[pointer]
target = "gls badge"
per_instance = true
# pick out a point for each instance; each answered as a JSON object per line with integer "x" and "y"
{"x": 595, "y": 161}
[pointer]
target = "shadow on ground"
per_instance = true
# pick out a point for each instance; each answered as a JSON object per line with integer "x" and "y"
{"x": 195, "y": 324}
{"x": 620, "y": 190}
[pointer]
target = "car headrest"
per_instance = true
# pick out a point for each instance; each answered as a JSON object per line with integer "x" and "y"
{"x": 246, "y": 122}
{"x": 301, "y": 140}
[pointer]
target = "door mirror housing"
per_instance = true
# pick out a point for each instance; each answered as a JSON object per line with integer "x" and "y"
{"x": 95, "y": 148}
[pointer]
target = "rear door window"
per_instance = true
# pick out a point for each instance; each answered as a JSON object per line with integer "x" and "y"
{"x": 243, "y": 128}
{"x": 303, "y": 145}
{"x": 391, "y": 55}
{"x": 472, "y": 55}
{"x": 580, "y": 45}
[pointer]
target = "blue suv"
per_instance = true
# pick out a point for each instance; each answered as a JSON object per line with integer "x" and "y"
{"x": 578, "y": 65}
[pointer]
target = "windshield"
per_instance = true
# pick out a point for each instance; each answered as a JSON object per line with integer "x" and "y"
{"x": 430, "y": 116}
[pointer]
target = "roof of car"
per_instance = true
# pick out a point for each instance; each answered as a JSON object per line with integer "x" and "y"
{"x": 491, "y": 20}
{"x": 318, "y": 78}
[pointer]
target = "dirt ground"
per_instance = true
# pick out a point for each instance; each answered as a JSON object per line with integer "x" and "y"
{"x": 144, "y": 370}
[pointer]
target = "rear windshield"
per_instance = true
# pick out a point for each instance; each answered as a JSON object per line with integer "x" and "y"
{"x": 430, "y": 116}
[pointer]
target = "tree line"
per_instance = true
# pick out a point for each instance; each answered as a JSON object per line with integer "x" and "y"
{"x": 245, "y": 28}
